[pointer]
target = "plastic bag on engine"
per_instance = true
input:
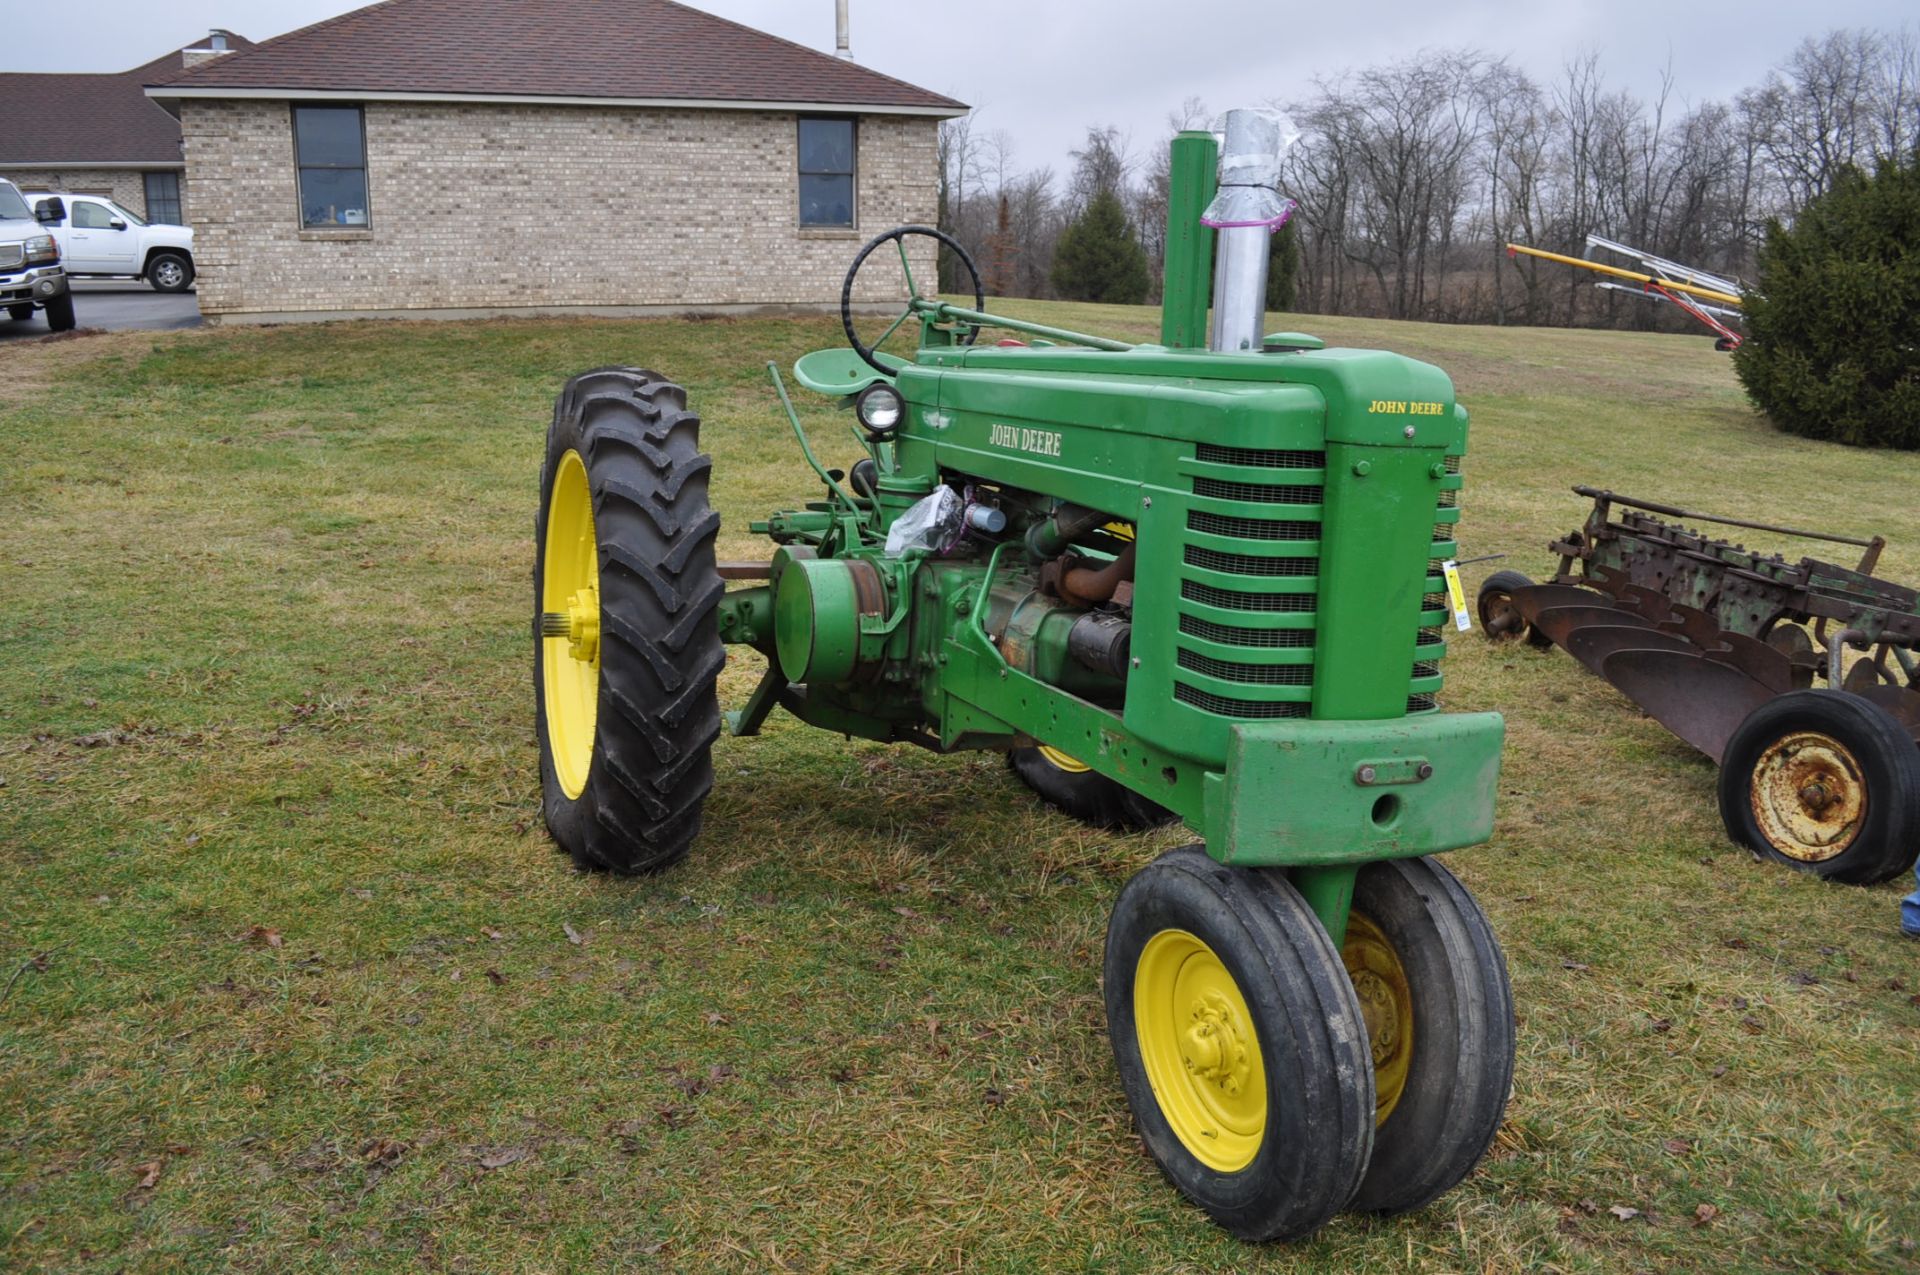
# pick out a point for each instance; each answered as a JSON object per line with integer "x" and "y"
{"x": 931, "y": 523}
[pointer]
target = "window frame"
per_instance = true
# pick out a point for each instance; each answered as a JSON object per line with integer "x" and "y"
{"x": 177, "y": 200}
{"x": 300, "y": 169}
{"x": 852, "y": 174}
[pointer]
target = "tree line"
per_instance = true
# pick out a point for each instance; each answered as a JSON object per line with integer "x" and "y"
{"x": 1412, "y": 176}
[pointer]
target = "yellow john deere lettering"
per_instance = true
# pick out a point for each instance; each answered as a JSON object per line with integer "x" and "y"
{"x": 1400, "y": 407}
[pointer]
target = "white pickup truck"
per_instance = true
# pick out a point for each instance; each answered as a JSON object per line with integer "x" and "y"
{"x": 99, "y": 237}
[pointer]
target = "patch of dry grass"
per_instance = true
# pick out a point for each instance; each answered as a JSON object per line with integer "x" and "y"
{"x": 297, "y": 979}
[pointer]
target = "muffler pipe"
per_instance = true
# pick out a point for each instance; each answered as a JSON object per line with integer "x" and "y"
{"x": 1246, "y": 212}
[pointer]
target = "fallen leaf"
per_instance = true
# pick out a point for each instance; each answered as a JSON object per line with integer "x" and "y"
{"x": 179, "y": 1148}
{"x": 364, "y": 896}
{"x": 1719, "y": 1072}
{"x": 1588, "y": 1207}
{"x": 1800, "y": 978}
{"x": 1753, "y": 1026}
{"x": 261, "y": 936}
{"x": 1678, "y": 1146}
{"x": 1624, "y": 1213}
{"x": 1575, "y": 966}
{"x": 1741, "y": 944}
{"x": 673, "y": 1117}
{"x": 149, "y": 1175}
{"x": 574, "y": 936}
{"x": 383, "y": 1151}
{"x": 715, "y": 1018}
{"x": 492, "y": 933}
{"x": 41, "y": 961}
{"x": 1704, "y": 1214}
{"x": 1662, "y": 1024}
{"x": 909, "y": 913}
{"x": 496, "y": 977}
{"x": 501, "y": 1157}
{"x": 995, "y": 1098}
{"x": 455, "y": 976}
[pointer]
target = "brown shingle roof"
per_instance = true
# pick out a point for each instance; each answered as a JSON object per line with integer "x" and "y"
{"x": 77, "y": 118}
{"x": 646, "y": 50}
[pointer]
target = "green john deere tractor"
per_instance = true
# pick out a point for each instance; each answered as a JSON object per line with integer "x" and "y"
{"x": 1203, "y": 579}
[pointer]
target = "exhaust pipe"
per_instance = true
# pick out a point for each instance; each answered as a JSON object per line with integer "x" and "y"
{"x": 1246, "y": 212}
{"x": 840, "y": 47}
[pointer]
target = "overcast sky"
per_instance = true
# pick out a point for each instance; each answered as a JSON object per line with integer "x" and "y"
{"x": 1042, "y": 70}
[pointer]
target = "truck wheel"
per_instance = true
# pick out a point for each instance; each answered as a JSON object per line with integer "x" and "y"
{"x": 1433, "y": 989}
{"x": 20, "y": 313}
{"x": 60, "y": 312}
{"x": 1240, "y": 1044}
{"x": 626, "y": 652}
{"x": 1084, "y": 793}
{"x": 169, "y": 271}
{"x": 1500, "y": 620}
{"x": 1826, "y": 782}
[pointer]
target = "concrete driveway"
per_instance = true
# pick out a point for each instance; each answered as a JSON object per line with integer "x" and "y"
{"x": 115, "y": 305}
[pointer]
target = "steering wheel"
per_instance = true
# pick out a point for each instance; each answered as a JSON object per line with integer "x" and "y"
{"x": 899, "y": 235}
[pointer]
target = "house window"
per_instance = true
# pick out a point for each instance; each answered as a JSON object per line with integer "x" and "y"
{"x": 329, "y": 144}
{"x": 826, "y": 172}
{"x": 163, "y": 199}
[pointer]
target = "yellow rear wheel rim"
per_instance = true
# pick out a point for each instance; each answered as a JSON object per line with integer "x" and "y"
{"x": 1060, "y": 761}
{"x": 1386, "y": 1003}
{"x": 1200, "y": 1050}
{"x": 570, "y": 662}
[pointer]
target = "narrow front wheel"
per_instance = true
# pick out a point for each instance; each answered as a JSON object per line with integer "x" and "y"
{"x": 1433, "y": 988}
{"x": 1240, "y": 1044}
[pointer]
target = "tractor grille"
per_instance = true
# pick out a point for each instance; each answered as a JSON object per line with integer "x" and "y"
{"x": 1252, "y": 528}
{"x": 1259, "y": 493}
{"x": 1218, "y": 455}
{"x": 1246, "y": 628}
{"x": 1233, "y": 635}
{"x": 1245, "y": 633}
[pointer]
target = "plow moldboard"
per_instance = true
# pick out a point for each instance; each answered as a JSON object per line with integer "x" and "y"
{"x": 1593, "y": 644}
{"x": 1700, "y": 700}
{"x": 1535, "y": 598}
{"x": 1560, "y": 622}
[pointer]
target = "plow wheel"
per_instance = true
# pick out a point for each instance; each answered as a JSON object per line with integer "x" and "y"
{"x": 1078, "y": 790}
{"x": 1240, "y": 1044}
{"x": 626, "y": 653}
{"x": 1500, "y": 618}
{"x": 1433, "y": 988}
{"x": 1825, "y": 782}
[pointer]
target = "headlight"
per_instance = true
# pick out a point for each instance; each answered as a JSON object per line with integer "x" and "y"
{"x": 879, "y": 408}
{"x": 41, "y": 249}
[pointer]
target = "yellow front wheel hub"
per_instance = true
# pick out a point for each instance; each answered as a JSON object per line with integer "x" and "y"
{"x": 1809, "y": 796}
{"x": 1200, "y": 1050}
{"x": 570, "y": 625}
{"x": 1386, "y": 1004}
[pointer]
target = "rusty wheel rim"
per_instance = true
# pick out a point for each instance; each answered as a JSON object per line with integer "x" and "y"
{"x": 1809, "y": 796}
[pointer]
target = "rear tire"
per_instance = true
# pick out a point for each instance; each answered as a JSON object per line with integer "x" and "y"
{"x": 1824, "y": 782}
{"x": 1087, "y": 795}
{"x": 1444, "y": 1062}
{"x": 60, "y": 312}
{"x": 1500, "y": 620}
{"x": 634, "y": 737}
{"x": 1240, "y": 1044}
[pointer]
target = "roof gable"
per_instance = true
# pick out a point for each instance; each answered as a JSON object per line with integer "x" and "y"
{"x": 627, "y": 50}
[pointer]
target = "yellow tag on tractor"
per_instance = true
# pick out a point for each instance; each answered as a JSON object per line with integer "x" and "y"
{"x": 1200, "y": 579}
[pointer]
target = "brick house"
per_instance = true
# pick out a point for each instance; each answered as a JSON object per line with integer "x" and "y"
{"x": 100, "y": 134}
{"x": 437, "y": 158}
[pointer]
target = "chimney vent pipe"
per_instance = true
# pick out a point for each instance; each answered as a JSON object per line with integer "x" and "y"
{"x": 841, "y": 49}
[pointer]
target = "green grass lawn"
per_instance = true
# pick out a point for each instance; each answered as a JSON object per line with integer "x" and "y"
{"x": 299, "y": 983}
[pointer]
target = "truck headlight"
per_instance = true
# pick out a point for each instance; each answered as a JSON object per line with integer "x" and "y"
{"x": 41, "y": 250}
